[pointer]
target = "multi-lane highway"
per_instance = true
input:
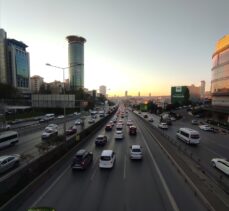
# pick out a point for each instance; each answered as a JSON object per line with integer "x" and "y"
{"x": 30, "y": 136}
{"x": 211, "y": 145}
{"x": 150, "y": 184}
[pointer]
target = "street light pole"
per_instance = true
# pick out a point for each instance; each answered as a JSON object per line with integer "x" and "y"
{"x": 62, "y": 68}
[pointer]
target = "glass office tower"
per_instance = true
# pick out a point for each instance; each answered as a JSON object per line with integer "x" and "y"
{"x": 220, "y": 73}
{"x": 76, "y": 61}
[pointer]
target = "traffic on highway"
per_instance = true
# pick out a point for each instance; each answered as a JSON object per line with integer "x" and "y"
{"x": 130, "y": 163}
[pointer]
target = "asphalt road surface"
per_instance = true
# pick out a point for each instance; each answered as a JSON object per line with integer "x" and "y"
{"x": 150, "y": 184}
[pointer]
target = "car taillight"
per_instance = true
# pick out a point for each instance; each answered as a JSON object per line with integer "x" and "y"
{"x": 82, "y": 162}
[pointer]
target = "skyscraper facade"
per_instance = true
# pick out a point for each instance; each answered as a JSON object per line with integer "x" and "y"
{"x": 14, "y": 63}
{"x": 103, "y": 90}
{"x": 220, "y": 73}
{"x": 76, "y": 61}
{"x": 3, "y": 56}
{"x": 202, "y": 89}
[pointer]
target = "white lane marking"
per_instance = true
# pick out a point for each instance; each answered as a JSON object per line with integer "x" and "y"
{"x": 166, "y": 188}
{"x": 49, "y": 188}
{"x": 124, "y": 170}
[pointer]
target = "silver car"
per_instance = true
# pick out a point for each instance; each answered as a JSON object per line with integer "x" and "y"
{"x": 136, "y": 152}
{"x": 9, "y": 161}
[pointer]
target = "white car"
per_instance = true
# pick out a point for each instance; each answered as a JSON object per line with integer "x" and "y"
{"x": 78, "y": 122}
{"x": 119, "y": 134}
{"x": 163, "y": 125}
{"x": 53, "y": 126}
{"x": 107, "y": 159}
{"x": 205, "y": 127}
{"x": 129, "y": 123}
{"x": 9, "y": 161}
{"x": 60, "y": 117}
{"x": 49, "y": 132}
{"x": 119, "y": 127}
{"x": 136, "y": 152}
{"x": 221, "y": 164}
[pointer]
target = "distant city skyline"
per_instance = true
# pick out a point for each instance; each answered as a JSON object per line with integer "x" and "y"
{"x": 166, "y": 44}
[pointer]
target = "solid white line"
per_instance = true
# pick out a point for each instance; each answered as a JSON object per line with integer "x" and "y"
{"x": 166, "y": 188}
{"x": 49, "y": 188}
{"x": 124, "y": 171}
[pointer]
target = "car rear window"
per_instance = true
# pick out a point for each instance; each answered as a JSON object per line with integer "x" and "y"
{"x": 105, "y": 158}
{"x": 195, "y": 136}
{"x": 136, "y": 150}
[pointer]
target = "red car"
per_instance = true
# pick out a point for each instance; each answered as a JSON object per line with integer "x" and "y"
{"x": 132, "y": 130}
{"x": 72, "y": 130}
{"x": 108, "y": 127}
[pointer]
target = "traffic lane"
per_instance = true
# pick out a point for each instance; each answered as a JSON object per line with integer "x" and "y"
{"x": 181, "y": 192}
{"x": 208, "y": 140}
{"x": 207, "y": 149}
{"x": 103, "y": 187}
{"x": 204, "y": 152}
{"x": 120, "y": 190}
{"x": 27, "y": 142}
{"x": 72, "y": 184}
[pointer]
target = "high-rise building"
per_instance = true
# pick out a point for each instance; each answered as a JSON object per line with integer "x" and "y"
{"x": 3, "y": 56}
{"x": 35, "y": 83}
{"x": 220, "y": 81}
{"x": 14, "y": 63}
{"x": 220, "y": 73}
{"x": 126, "y": 93}
{"x": 76, "y": 61}
{"x": 194, "y": 92}
{"x": 202, "y": 89}
{"x": 139, "y": 94}
{"x": 103, "y": 90}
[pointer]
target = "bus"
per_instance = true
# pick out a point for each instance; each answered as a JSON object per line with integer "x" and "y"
{"x": 8, "y": 138}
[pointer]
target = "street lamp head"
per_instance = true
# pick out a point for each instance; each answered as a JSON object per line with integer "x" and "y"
{"x": 48, "y": 64}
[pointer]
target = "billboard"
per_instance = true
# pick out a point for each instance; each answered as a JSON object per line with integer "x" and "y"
{"x": 179, "y": 95}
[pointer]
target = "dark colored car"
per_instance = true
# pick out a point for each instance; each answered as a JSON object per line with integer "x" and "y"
{"x": 82, "y": 159}
{"x": 195, "y": 122}
{"x": 132, "y": 130}
{"x": 72, "y": 130}
{"x": 108, "y": 127}
{"x": 43, "y": 120}
{"x": 145, "y": 116}
{"x": 101, "y": 140}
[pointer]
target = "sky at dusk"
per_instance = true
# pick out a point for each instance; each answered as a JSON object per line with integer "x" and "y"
{"x": 134, "y": 45}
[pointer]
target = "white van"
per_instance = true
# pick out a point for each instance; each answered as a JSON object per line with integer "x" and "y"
{"x": 8, "y": 138}
{"x": 107, "y": 159}
{"x": 188, "y": 135}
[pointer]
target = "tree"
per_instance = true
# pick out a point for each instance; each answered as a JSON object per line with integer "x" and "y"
{"x": 186, "y": 96}
{"x": 8, "y": 92}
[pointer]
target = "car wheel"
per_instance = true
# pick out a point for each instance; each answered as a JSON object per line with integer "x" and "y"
{"x": 213, "y": 164}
